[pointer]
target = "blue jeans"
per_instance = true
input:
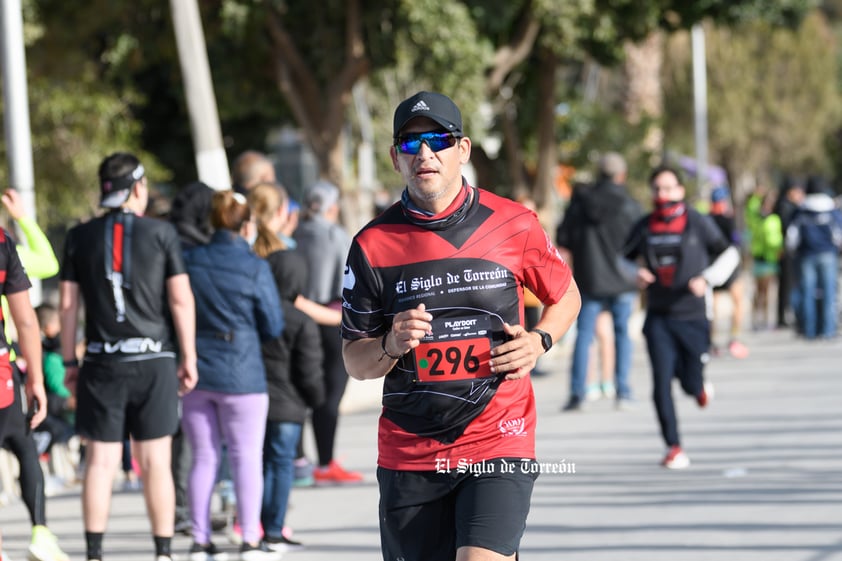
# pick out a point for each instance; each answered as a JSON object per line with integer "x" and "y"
{"x": 278, "y": 454}
{"x": 819, "y": 271}
{"x": 620, "y": 307}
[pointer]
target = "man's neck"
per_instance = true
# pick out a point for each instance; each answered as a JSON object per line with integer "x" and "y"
{"x": 131, "y": 206}
{"x": 440, "y": 205}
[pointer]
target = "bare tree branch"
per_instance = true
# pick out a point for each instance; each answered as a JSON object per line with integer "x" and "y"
{"x": 295, "y": 80}
{"x": 509, "y": 56}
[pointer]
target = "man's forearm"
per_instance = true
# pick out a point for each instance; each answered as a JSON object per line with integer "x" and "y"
{"x": 68, "y": 318}
{"x": 557, "y": 318}
{"x": 183, "y": 310}
{"x": 365, "y": 359}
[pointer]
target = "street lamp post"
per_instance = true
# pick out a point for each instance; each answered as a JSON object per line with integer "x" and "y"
{"x": 700, "y": 108}
{"x": 16, "y": 112}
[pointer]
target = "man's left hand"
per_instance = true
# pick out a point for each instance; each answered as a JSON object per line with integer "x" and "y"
{"x": 518, "y": 356}
{"x": 36, "y": 397}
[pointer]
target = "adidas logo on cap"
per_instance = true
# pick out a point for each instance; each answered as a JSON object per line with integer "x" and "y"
{"x": 420, "y": 106}
{"x": 434, "y": 106}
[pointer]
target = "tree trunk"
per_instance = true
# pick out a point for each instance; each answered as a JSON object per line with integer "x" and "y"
{"x": 511, "y": 146}
{"x": 320, "y": 110}
{"x": 542, "y": 190}
{"x": 644, "y": 92}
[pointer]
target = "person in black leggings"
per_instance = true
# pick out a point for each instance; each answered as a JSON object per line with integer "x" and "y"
{"x": 19, "y": 441}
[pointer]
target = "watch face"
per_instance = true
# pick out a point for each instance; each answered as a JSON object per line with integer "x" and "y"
{"x": 546, "y": 339}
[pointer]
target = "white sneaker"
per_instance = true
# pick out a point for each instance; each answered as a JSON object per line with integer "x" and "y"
{"x": 44, "y": 546}
{"x": 593, "y": 393}
{"x": 261, "y": 552}
{"x": 675, "y": 458}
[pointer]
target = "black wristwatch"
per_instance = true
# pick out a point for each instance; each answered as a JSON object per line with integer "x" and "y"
{"x": 546, "y": 339}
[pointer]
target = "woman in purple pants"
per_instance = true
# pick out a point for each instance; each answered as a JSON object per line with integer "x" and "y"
{"x": 237, "y": 307}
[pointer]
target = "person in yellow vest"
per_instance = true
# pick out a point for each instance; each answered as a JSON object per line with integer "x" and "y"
{"x": 766, "y": 245}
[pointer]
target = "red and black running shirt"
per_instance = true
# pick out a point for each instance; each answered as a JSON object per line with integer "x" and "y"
{"x": 13, "y": 279}
{"x": 440, "y": 402}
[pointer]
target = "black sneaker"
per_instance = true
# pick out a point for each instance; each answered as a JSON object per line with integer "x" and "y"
{"x": 206, "y": 552}
{"x": 282, "y": 544}
{"x": 183, "y": 526}
{"x": 259, "y": 552}
{"x": 573, "y": 404}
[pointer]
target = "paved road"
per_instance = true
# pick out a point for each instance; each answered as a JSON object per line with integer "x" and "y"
{"x": 765, "y": 481}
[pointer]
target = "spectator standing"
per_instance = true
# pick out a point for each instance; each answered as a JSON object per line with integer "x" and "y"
{"x": 38, "y": 261}
{"x": 251, "y": 168}
{"x": 434, "y": 305}
{"x": 767, "y": 244}
{"x": 129, "y": 272}
{"x": 293, "y": 366}
{"x": 237, "y": 307}
{"x": 14, "y": 285}
{"x": 815, "y": 234}
{"x": 602, "y": 362}
{"x": 324, "y": 245}
{"x": 593, "y": 231}
{"x": 789, "y": 291}
{"x": 723, "y": 215}
{"x": 190, "y": 214}
{"x": 674, "y": 244}
{"x": 61, "y": 405}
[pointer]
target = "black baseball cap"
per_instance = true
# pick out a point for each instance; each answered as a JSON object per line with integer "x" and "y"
{"x": 432, "y": 105}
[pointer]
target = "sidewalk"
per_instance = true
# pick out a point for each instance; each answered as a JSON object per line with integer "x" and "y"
{"x": 765, "y": 481}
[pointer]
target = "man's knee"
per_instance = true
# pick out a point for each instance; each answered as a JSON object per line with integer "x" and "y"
{"x": 155, "y": 454}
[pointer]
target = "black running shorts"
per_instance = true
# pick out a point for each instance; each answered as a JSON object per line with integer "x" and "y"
{"x": 427, "y": 516}
{"x": 118, "y": 399}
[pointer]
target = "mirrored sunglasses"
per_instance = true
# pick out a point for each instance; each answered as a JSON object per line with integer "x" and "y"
{"x": 411, "y": 143}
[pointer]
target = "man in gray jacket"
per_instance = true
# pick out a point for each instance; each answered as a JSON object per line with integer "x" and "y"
{"x": 590, "y": 237}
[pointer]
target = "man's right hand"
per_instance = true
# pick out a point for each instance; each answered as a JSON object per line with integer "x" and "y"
{"x": 645, "y": 277}
{"x": 408, "y": 328}
{"x": 71, "y": 378}
{"x": 188, "y": 376}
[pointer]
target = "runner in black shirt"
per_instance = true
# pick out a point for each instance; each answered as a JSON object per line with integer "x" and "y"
{"x": 128, "y": 269}
{"x": 681, "y": 255}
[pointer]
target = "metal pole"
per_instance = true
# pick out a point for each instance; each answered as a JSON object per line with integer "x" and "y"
{"x": 211, "y": 162}
{"x": 16, "y": 112}
{"x": 700, "y": 112}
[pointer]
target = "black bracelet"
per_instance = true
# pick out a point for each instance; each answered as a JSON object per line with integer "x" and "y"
{"x": 73, "y": 362}
{"x": 385, "y": 352}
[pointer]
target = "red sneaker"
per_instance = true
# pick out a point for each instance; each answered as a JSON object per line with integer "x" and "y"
{"x": 335, "y": 474}
{"x": 737, "y": 349}
{"x": 675, "y": 458}
{"x": 706, "y": 396}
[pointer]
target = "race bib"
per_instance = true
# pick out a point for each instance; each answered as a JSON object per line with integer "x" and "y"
{"x": 459, "y": 349}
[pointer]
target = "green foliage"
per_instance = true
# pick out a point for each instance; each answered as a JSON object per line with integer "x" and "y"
{"x": 772, "y": 95}
{"x": 105, "y": 76}
{"x": 422, "y": 48}
{"x": 678, "y": 14}
{"x": 586, "y": 130}
{"x": 76, "y": 119}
